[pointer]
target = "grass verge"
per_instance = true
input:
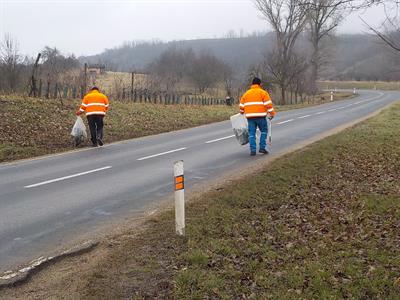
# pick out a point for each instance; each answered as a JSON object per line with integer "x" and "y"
{"x": 32, "y": 127}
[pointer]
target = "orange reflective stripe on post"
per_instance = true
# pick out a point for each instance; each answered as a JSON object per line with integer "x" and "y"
{"x": 179, "y": 183}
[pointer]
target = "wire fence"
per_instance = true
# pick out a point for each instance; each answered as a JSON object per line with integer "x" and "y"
{"x": 58, "y": 91}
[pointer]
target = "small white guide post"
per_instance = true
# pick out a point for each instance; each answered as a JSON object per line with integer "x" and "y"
{"x": 179, "y": 183}
{"x": 331, "y": 95}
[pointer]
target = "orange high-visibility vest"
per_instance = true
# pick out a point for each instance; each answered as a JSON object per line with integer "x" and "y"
{"x": 256, "y": 103}
{"x": 94, "y": 103}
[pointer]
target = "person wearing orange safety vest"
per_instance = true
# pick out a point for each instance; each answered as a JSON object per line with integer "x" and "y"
{"x": 256, "y": 105}
{"x": 95, "y": 105}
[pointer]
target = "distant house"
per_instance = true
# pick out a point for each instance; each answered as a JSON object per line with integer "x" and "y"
{"x": 96, "y": 69}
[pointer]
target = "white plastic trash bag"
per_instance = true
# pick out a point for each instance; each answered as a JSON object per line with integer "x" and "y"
{"x": 240, "y": 128}
{"x": 79, "y": 131}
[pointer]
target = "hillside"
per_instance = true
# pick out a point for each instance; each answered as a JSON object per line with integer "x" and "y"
{"x": 240, "y": 52}
{"x": 353, "y": 57}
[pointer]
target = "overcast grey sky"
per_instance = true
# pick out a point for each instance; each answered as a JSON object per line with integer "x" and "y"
{"x": 88, "y": 27}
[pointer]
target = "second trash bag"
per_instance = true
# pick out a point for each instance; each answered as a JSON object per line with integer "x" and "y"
{"x": 79, "y": 131}
{"x": 240, "y": 128}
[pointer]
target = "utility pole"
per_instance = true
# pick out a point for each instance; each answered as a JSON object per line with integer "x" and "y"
{"x": 85, "y": 79}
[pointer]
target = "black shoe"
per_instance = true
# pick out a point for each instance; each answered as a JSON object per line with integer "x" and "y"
{"x": 252, "y": 154}
{"x": 94, "y": 145}
{"x": 100, "y": 142}
{"x": 263, "y": 151}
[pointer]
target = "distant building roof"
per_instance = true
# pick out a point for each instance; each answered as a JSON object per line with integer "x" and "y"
{"x": 96, "y": 66}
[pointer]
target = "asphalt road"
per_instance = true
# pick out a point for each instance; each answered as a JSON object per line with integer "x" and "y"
{"x": 46, "y": 202}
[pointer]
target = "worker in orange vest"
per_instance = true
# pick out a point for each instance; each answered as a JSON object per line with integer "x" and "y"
{"x": 256, "y": 105}
{"x": 95, "y": 105}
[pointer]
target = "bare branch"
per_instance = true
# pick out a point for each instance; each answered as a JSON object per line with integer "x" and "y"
{"x": 382, "y": 36}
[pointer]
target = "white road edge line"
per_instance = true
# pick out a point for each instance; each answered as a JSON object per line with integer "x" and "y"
{"x": 283, "y": 122}
{"x": 66, "y": 177}
{"x": 163, "y": 153}
{"x": 302, "y": 117}
{"x": 220, "y": 139}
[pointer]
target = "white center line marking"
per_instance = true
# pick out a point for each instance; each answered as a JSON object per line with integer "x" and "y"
{"x": 159, "y": 154}
{"x": 66, "y": 177}
{"x": 302, "y": 117}
{"x": 283, "y": 122}
{"x": 334, "y": 109}
{"x": 216, "y": 140}
{"x": 320, "y": 113}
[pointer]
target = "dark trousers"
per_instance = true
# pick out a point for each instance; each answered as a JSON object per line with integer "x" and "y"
{"x": 96, "y": 127}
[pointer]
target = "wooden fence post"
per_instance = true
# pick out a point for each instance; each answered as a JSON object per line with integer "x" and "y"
{"x": 40, "y": 88}
{"x": 55, "y": 91}
{"x": 132, "y": 82}
{"x": 48, "y": 88}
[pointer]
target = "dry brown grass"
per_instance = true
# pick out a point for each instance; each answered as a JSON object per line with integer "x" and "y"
{"x": 360, "y": 85}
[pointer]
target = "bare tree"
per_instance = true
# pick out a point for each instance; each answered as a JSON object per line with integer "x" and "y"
{"x": 171, "y": 66}
{"x": 296, "y": 67}
{"x": 206, "y": 70}
{"x": 288, "y": 19}
{"x": 228, "y": 78}
{"x": 389, "y": 32}
{"x": 324, "y": 16}
{"x": 10, "y": 59}
{"x": 357, "y": 4}
{"x": 55, "y": 63}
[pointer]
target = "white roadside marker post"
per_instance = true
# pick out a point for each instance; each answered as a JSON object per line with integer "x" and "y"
{"x": 331, "y": 95}
{"x": 179, "y": 198}
{"x": 354, "y": 91}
